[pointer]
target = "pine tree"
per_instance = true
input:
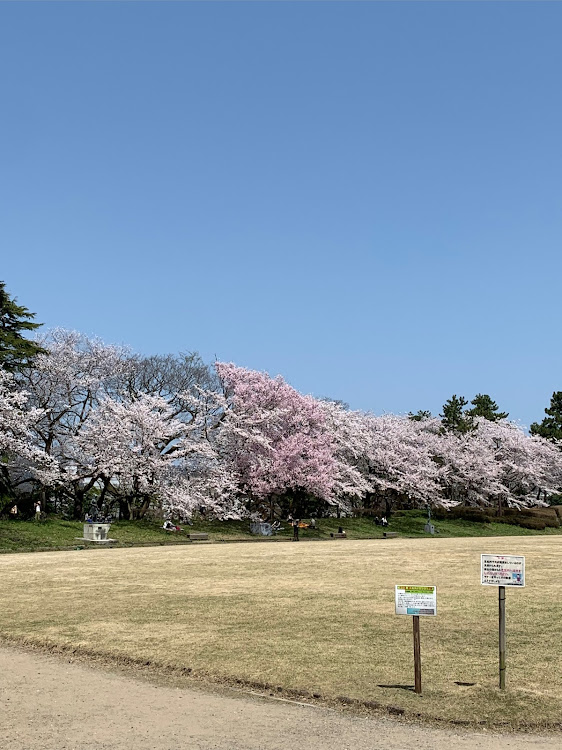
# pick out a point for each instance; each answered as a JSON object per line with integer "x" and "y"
{"x": 454, "y": 418}
{"x": 15, "y": 350}
{"x": 551, "y": 426}
{"x": 420, "y": 415}
{"x": 485, "y": 407}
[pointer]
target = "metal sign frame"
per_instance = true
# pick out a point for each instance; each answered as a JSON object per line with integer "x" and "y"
{"x": 517, "y": 579}
{"x": 417, "y": 591}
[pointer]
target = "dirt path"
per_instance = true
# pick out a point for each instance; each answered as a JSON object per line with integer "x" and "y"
{"x": 47, "y": 703}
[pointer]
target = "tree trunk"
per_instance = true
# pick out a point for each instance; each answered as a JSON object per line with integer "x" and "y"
{"x": 141, "y": 512}
{"x": 103, "y": 493}
{"x": 78, "y": 512}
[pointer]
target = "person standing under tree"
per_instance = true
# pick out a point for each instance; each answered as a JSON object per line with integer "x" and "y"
{"x": 296, "y": 530}
{"x": 37, "y": 511}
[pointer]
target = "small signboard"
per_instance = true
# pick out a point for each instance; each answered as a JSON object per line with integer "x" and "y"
{"x": 416, "y": 600}
{"x": 503, "y": 570}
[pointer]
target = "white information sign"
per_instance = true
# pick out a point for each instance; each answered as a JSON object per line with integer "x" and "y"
{"x": 503, "y": 570}
{"x": 416, "y": 600}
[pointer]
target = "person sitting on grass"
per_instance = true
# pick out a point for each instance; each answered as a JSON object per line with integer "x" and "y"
{"x": 169, "y": 526}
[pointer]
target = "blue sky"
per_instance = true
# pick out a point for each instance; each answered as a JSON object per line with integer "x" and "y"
{"x": 363, "y": 197}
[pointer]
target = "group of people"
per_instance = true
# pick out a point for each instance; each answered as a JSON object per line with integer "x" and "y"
{"x": 94, "y": 516}
{"x": 36, "y": 509}
{"x": 296, "y": 524}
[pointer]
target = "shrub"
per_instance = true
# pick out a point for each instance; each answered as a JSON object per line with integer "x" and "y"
{"x": 512, "y": 520}
{"x": 532, "y": 523}
{"x": 508, "y": 512}
{"x": 546, "y": 512}
{"x": 466, "y": 513}
{"x": 543, "y": 516}
{"x": 552, "y": 523}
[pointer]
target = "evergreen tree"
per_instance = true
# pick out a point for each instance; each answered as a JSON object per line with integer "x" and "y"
{"x": 551, "y": 426}
{"x": 485, "y": 407}
{"x": 420, "y": 415}
{"x": 15, "y": 350}
{"x": 454, "y": 418}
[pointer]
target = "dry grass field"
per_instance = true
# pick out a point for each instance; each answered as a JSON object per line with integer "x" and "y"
{"x": 309, "y": 616}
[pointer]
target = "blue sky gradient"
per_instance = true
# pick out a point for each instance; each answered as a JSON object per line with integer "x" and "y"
{"x": 363, "y": 197}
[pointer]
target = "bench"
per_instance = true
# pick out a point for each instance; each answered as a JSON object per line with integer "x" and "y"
{"x": 198, "y": 537}
{"x": 389, "y": 534}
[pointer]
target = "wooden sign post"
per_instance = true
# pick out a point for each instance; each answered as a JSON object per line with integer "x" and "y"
{"x": 417, "y": 654}
{"x": 501, "y": 590}
{"x": 416, "y": 601}
{"x": 502, "y": 571}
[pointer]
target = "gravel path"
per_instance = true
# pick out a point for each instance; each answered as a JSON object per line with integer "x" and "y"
{"x": 48, "y": 703}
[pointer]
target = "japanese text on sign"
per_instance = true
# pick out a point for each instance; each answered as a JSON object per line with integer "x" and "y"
{"x": 503, "y": 570}
{"x": 416, "y": 600}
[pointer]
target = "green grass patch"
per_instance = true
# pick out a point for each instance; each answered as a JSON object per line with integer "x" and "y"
{"x": 57, "y": 533}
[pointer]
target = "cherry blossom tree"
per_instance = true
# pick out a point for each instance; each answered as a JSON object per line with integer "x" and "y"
{"x": 351, "y": 436}
{"x": 128, "y": 448}
{"x": 66, "y": 385}
{"x": 275, "y": 439}
{"x": 87, "y": 420}
{"x": 274, "y": 443}
{"x": 416, "y": 460}
{"x": 524, "y": 467}
{"x": 495, "y": 463}
{"x": 22, "y": 463}
{"x": 175, "y": 378}
{"x": 143, "y": 457}
{"x": 402, "y": 458}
